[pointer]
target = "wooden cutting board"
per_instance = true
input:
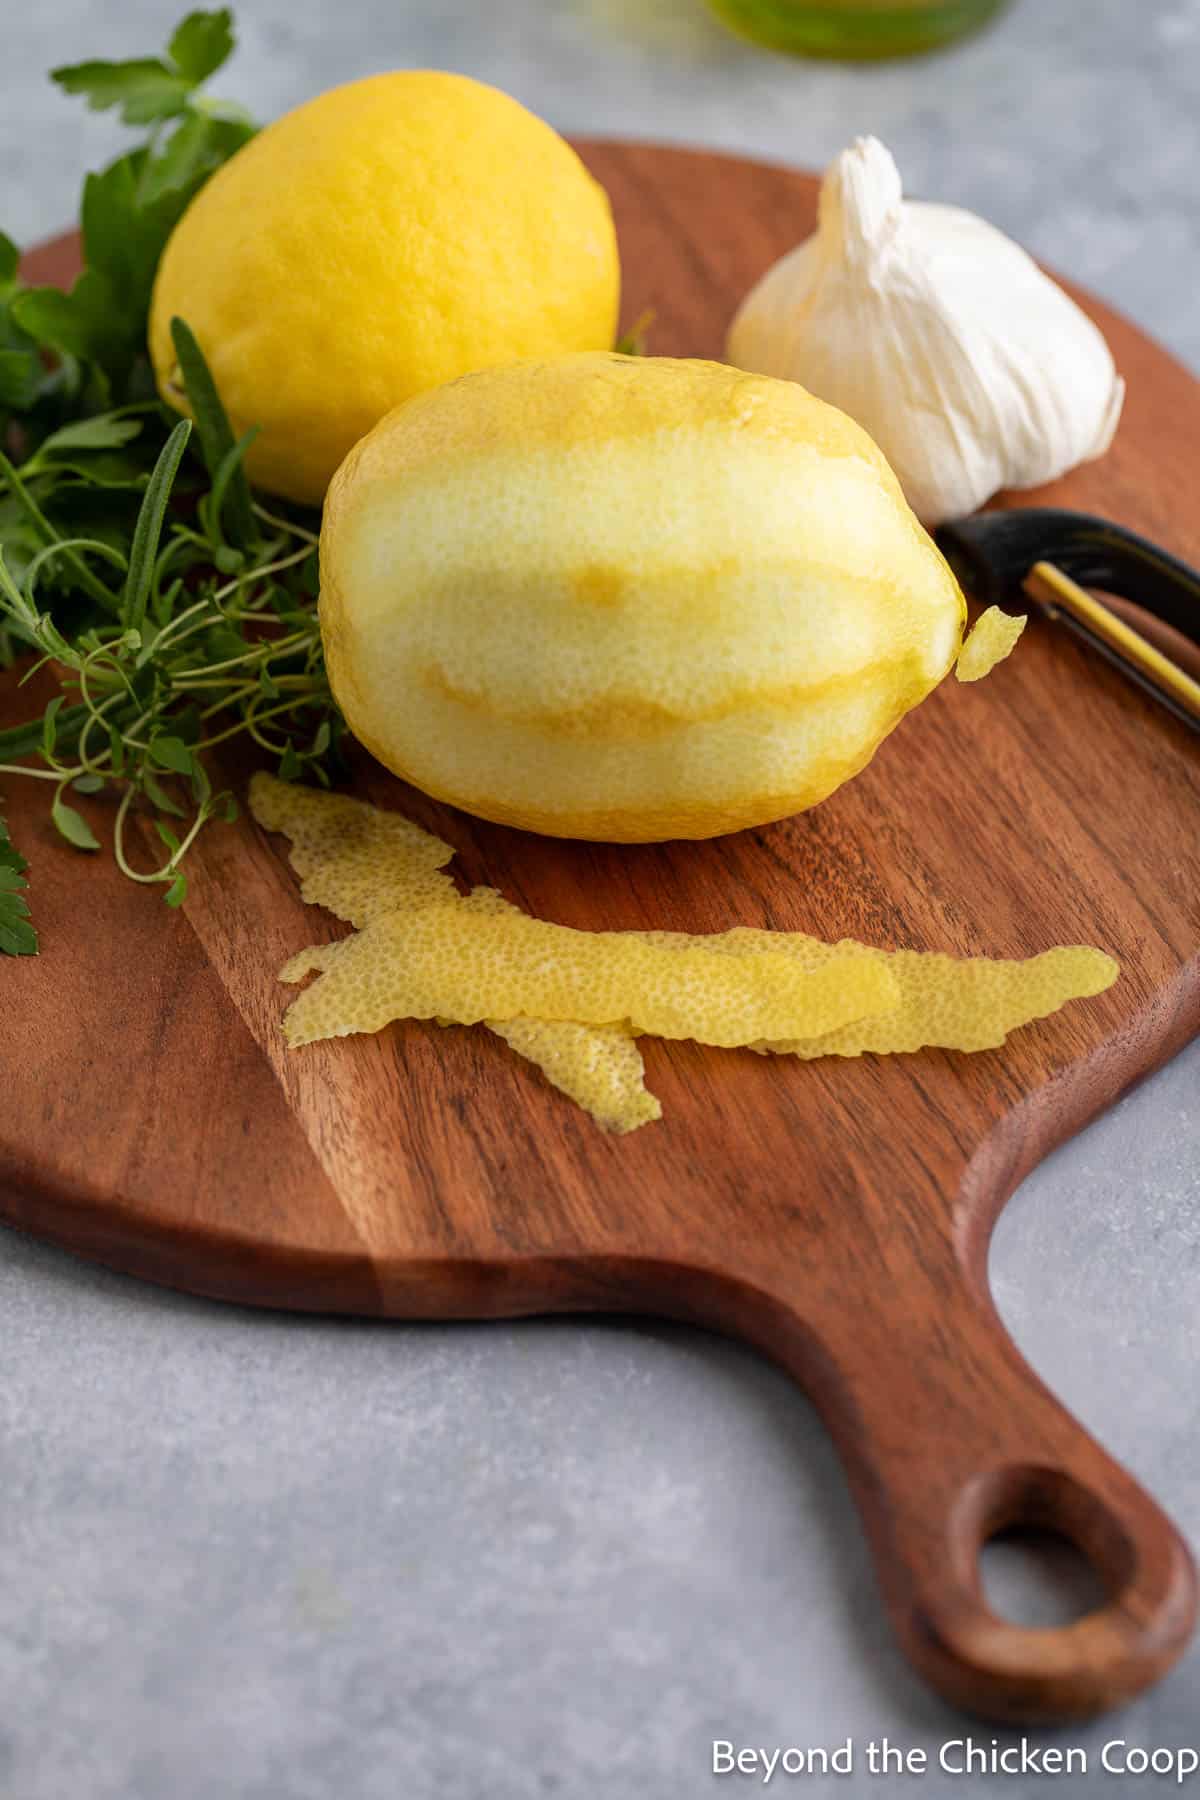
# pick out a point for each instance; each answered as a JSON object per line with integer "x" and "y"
{"x": 836, "y": 1215}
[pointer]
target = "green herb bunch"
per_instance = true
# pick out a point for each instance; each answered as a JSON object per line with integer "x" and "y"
{"x": 174, "y": 611}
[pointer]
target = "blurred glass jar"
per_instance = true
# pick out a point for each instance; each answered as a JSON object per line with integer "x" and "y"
{"x": 853, "y": 28}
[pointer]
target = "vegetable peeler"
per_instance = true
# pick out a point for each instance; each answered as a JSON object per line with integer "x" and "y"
{"x": 1054, "y": 557}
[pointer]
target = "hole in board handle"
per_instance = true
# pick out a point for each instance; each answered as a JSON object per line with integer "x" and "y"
{"x": 1039, "y": 1579}
{"x": 1044, "y": 1549}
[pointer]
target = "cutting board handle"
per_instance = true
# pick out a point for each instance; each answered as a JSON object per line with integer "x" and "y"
{"x": 949, "y": 1438}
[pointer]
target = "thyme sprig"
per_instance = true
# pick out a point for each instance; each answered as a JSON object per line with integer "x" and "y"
{"x": 193, "y": 641}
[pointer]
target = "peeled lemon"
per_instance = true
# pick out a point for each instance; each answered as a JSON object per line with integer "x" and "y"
{"x": 387, "y": 236}
{"x": 627, "y": 598}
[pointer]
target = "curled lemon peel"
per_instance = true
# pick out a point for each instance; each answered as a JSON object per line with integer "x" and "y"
{"x": 945, "y": 1002}
{"x": 464, "y": 953}
{"x": 452, "y": 962}
{"x": 354, "y": 859}
{"x": 992, "y": 638}
{"x": 598, "y": 1066}
{"x": 357, "y": 861}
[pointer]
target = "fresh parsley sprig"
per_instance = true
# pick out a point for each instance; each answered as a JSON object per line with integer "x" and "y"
{"x": 97, "y": 332}
{"x": 174, "y": 611}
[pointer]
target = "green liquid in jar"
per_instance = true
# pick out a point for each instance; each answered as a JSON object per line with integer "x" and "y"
{"x": 853, "y": 28}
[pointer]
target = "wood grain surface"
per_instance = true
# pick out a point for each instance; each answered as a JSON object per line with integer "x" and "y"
{"x": 837, "y": 1215}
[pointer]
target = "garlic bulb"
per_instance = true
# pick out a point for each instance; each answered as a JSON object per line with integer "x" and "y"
{"x": 970, "y": 368}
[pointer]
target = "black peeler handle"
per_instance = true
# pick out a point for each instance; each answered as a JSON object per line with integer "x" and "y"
{"x": 992, "y": 553}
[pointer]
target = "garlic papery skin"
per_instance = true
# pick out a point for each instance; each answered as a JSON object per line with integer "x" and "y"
{"x": 970, "y": 368}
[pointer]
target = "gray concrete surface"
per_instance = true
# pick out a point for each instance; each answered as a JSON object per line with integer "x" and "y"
{"x": 262, "y": 1558}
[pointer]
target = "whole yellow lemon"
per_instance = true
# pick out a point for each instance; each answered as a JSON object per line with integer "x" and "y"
{"x": 627, "y": 598}
{"x": 387, "y": 236}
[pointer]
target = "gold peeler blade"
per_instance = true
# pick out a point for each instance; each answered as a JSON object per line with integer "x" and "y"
{"x": 1055, "y": 593}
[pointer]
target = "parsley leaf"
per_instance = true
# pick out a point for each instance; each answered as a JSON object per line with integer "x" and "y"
{"x": 80, "y": 324}
{"x": 102, "y": 321}
{"x": 144, "y": 88}
{"x": 10, "y": 257}
{"x": 17, "y": 936}
{"x": 202, "y": 43}
{"x": 19, "y": 379}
